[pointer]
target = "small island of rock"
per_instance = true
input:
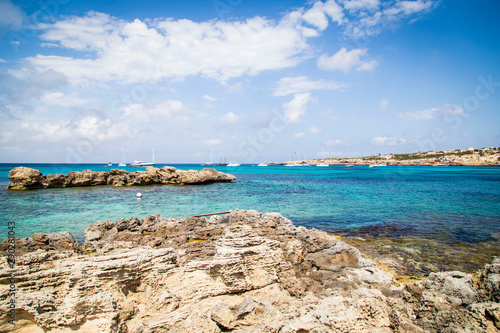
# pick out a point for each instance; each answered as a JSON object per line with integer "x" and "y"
{"x": 23, "y": 178}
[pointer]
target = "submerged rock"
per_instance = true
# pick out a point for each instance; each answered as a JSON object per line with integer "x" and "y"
{"x": 22, "y": 178}
{"x": 244, "y": 272}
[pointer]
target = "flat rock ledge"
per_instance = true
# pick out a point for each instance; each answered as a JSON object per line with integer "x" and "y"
{"x": 243, "y": 272}
{"x": 22, "y": 178}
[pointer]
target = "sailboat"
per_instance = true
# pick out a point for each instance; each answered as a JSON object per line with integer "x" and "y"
{"x": 211, "y": 159}
{"x": 110, "y": 164}
{"x": 262, "y": 164}
{"x": 292, "y": 163}
{"x": 323, "y": 163}
{"x": 223, "y": 163}
{"x": 138, "y": 164}
{"x": 123, "y": 163}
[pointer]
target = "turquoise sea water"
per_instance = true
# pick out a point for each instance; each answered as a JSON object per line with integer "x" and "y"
{"x": 445, "y": 204}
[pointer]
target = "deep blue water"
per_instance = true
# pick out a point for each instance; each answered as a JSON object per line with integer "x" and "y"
{"x": 448, "y": 204}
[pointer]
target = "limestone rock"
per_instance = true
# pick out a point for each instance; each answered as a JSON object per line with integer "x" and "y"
{"x": 243, "y": 272}
{"x": 22, "y": 178}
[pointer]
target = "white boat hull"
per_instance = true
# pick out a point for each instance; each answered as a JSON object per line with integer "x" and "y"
{"x": 141, "y": 164}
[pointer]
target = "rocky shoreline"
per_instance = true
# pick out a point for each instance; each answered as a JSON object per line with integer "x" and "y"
{"x": 22, "y": 178}
{"x": 242, "y": 272}
{"x": 472, "y": 157}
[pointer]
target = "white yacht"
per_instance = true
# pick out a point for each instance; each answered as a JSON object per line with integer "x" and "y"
{"x": 234, "y": 164}
{"x": 138, "y": 164}
{"x": 377, "y": 165}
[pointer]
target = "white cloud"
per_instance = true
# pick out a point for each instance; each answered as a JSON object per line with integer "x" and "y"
{"x": 345, "y": 61}
{"x": 387, "y": 141}
{"x": 315, "y": 130}
{"x": 335, "y": 142}
{"x": 11, "y": 16}
{"x": 58, "y": 98}
{"x": 170, "y": 49}
{"x": 301, "y": 84}
{"x": 212, "y": 142}
{"x": 411, "y": 7}
{"x": 135, "y": 121}
{"x": 319, "y": 13}
{"x": 100, "y": 129}
{"x": 43, "y": 130}
{"x": 299, "y": 135}
{"x": 234, "y": 87}
{"x": 229, "y": 119}
{"x": 389, "y": 15}
{"x": 383, "y": 103}
{"x": 296, "y": 108}
{"x": 432, "y": 113}
{"x": 163, "y": 109}
{"x": 357, "y": 5}
{"x": 209, "y": 98}
{"x": 3, "y": 61}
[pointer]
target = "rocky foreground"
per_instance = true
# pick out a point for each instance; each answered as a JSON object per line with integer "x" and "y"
{"x": 22, "y": 178}
{"x": 243, "y": 272}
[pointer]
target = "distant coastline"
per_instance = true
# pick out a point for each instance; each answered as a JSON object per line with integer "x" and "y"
{"x": 489, "y": 156}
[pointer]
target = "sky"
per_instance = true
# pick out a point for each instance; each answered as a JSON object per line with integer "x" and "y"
{"x": 251, "y": 81}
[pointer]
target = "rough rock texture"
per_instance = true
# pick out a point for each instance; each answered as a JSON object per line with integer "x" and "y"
{"x": 22, "y": 178}
{"x": 243, "y": 272}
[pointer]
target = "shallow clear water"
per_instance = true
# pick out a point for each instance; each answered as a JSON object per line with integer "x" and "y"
{"x": 445, "y": 204}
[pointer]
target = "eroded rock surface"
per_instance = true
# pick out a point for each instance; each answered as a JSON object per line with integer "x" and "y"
{"x": 242, "y": 272}
{"x": 22, "y": 178}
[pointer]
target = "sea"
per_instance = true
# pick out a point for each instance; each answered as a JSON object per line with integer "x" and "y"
{"x": 428, "y": 218}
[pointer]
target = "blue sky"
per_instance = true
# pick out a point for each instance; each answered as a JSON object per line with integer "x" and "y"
{"x": 252, "y": 80}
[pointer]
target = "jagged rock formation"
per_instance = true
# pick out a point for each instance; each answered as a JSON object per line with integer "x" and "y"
{"x": 22, "y": 178}
{"x": 244, "y": 272}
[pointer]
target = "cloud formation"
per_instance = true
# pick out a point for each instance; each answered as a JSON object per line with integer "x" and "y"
{"x": 170, "y": 49}
{"x": 229, "y": 119}
{"x": 383, "y": 103}
{"x": 375, "y": 16}
{"x": 300, "y": 84}
{"x": 432, "y": 113}
{"x": 388, "y": 141}
{"x": 345, "y": 61}
{"x": 296, "y": 108}
{"x": 60, "y": 99}
{"x": 360, "y": 5}
{"x": 11, "y": 17}
{"x": 319, "y": 13}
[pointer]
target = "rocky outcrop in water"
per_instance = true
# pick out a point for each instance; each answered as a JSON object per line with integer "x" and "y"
{"x": 243, "y": 272}
{"x": 22, "y": 178}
